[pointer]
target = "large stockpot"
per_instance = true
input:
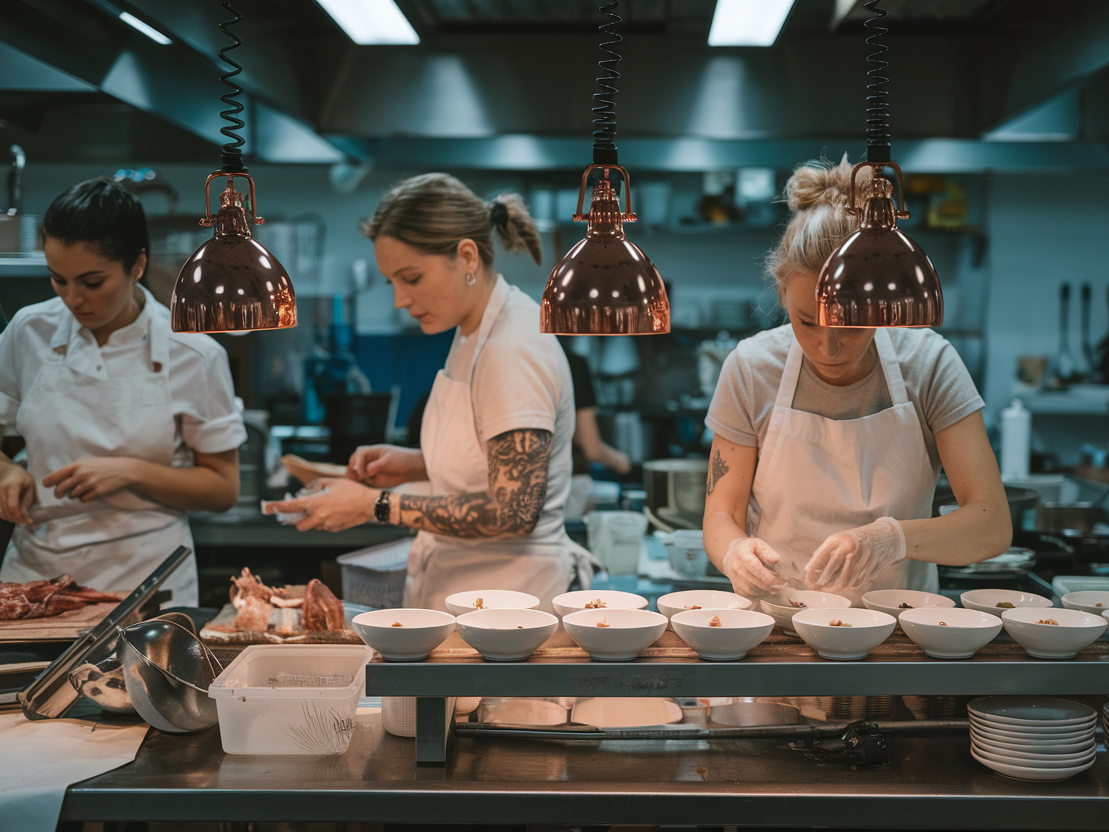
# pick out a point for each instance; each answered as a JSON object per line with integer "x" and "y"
{"x": 675, "y": 492}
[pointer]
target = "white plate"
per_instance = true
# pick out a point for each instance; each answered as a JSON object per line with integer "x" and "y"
{"x": 1027, "y": 711}
{"x": 1033, "y": 758}
{"x": 1046, "y": 737}
{"x": 1022, "y": 773}
{"x": 626, "y": 712}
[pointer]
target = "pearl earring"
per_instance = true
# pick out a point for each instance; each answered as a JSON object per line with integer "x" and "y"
{"x": 470, "y": 279}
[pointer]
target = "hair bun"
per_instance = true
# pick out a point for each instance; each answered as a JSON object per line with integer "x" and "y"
{"x": 822, "y": 183}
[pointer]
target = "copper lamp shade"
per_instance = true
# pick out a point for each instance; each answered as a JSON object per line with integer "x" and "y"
{"x": 232, "y": 283}
{"x": 605, "y": 285}
{"x": 878, "y": 276}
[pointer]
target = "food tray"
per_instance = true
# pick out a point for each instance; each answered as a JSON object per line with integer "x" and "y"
{"x": 218, "y": 631}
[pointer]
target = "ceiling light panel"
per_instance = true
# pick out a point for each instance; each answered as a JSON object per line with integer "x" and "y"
{"x": 748, "y": 22}
{"x": 369, "y": 22}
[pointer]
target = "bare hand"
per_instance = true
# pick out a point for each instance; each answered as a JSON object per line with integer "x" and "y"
{"x": 338, "y": 504}
{"x": 17, "y": 492}
{"x": 746, "y": 562}
{"x": 385, "y": 466}
{"x": 90, "y": 478}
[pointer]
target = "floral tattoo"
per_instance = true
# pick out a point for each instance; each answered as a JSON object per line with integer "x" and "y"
{"x": 518, "y": 464}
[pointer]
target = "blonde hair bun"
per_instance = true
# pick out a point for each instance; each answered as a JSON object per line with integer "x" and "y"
{"x": 819, "y": 183}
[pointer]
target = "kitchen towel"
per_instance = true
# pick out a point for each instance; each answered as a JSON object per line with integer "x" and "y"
{"x": 42, "y": 758}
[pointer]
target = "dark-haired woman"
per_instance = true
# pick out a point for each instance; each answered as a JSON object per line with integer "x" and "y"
{"x": 127, "y": 425}
{"x": 495, "y": 440}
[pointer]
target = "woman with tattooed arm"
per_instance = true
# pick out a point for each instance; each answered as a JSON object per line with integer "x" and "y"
{"x": 495, "y": 441}
{"x": 828, "y": 442}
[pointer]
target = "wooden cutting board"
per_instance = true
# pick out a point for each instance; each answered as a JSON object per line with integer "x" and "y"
{"x": 65, "y": 627}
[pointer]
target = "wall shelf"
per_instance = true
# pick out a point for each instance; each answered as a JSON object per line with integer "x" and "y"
{"x": 23, "y": 265}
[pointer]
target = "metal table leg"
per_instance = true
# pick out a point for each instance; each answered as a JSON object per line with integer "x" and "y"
{"x": 433, "y": 725}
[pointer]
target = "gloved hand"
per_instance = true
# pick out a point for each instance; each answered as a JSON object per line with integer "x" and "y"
{"x": 746, "y": 563}
{"x": 856, "y": 557}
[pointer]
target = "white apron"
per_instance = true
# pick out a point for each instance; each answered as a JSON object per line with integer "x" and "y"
{"x": 115, "y": 542}
{"x": 817, "y": 476}
{"x": 457, "y": 463}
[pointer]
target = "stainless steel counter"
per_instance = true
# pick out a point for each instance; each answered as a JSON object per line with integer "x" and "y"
{"x": 930, "y": 782}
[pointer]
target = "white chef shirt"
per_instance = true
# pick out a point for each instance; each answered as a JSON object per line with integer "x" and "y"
{"x": 201, "y": 392}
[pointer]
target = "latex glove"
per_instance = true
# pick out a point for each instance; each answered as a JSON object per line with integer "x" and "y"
{"x": 856, "y": 557}
{"x": 748, "y": 563}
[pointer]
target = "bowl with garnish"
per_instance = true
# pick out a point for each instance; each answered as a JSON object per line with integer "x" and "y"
{"x": 949, "y": 632}
{"x": 843, "y": 634}
{"x": 614, "y": 634}
{"x": 507, "y": 635}
{"x": 597, "y": 599}
{"x": 461, "y": 603}
{"x": 722, "y": 635}
{"x": 897, "y": 601}
{"x": 701, "y": 599}
{"x": 1093, "y": 601}
{"x": 403, "y": 635}
{"x": 1053, "y": 633}
{"x": 996, "y": 601}
{"x": 789, "y": 602}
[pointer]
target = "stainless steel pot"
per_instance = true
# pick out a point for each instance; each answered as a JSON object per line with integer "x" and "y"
{"x": 1081, "y": 528}
{"x": 675, "y": 492}
{"x": 1020, "y": 500}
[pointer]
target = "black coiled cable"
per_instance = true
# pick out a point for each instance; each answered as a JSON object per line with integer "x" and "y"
{"x": 604, "y": 114}
{"x": 877, "y": 110}
{"x": 232, "y": 156}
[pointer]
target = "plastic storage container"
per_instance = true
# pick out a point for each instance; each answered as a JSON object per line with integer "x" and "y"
{"x": 290, "y": 699}
{"x": 375, "y": 576}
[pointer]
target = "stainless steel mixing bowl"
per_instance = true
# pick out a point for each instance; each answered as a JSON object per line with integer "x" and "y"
{"x": 167, "y": 671}
{"x": 103, "y": 683}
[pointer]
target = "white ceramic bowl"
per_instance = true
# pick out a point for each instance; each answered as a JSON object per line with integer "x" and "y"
{"x": 628, "y": 632}
{"x": 420, "y": 632}
{"x": 868, "y": 629}
{"x": 1028, "y": 773}
{"x": 961, "y": 634}
{"x": 987, "y": 600}
{"x": 491, "y": 599}
{"x": 613, "y": 599}
{"x": 891, "y": 600}
{"x": 1025, "y": 712}
{"x": 722, "y": 635}
{"x": 1075, "y": 630}
{"x": 782, "y": 611}
{"x": 509, "y": 635}
{"x": 688, "y": 599}
{"x": 1091, "y": 601}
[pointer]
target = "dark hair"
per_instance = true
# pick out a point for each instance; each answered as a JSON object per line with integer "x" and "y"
{"x": 103, "y": 214}
{"x": 434, "y": 212}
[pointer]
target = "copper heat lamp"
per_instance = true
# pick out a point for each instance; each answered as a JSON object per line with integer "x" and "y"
{"x": 232, "y": 283}
{"x": 878, "y": 276}
{"x": 605, "y": 285}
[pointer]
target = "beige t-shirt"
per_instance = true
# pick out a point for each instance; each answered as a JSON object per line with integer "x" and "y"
{"x": 936, "y": 381}
{"x": 521, "y": 380}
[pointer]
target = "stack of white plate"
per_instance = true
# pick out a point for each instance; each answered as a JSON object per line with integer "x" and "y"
{"x": 1032, "y": 737}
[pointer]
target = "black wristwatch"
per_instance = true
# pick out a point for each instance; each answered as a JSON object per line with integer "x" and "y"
{"x": 381, "y": 507}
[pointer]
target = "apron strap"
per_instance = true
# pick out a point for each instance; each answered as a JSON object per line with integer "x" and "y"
{"x": 492, "y": 310}
{"x": 790, "y": 374}
{"x": 890, "y": 367}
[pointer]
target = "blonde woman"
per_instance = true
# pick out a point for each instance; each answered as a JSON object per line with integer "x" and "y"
{"x": 495, "y": 441}
{"x": 828, "y": 442}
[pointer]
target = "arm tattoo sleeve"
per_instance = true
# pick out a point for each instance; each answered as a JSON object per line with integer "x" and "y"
{"x": 518, "y": 463}
{"x": 718, "y": 469}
